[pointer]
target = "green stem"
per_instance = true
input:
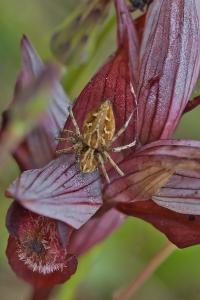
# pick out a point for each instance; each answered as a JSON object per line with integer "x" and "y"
{"x": 128, "y": 292}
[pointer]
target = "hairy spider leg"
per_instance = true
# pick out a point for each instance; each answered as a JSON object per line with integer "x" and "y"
{"x": 115, "y": 166}
{"x": 121, "y": 148}
{"x": 67, "y": 150}
{"x": 101, "y": 161}
{"x": 121, "y": 130}
{"x": 74, "y": 121}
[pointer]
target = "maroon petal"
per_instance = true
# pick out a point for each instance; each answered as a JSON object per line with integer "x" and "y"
{"x": 182, "y": 230}
{"x": 170, "y": 58}
{"x": 38, "y": 147}
{"x": 94, "y": 231}
{"x": 59, "y": 191}
{"x": 35, "y": 250}
{"x": 113, "y": 82}
{"x": 181, "y": 193}
{"x": 150, "y": 168}
{"x": 34, "y": 278}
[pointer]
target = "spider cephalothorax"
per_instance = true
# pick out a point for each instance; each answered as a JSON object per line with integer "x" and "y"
{"x": 98, "y": 134}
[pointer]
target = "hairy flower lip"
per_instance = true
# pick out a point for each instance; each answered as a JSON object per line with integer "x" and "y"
{"x": 35, "y": 250}
{"x": 34, "y": 278}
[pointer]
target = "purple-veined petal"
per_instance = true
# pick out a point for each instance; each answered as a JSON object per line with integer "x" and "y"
{"x": 150, "y": 168}
{"x": 181, "y": 193}
{"x": 27, "y": 109}
{"x": 182, "y": 230}
{"x": 94, "y": 231}
{"x": 38, "y": 147}
{"x": 170, "y": 60}
{"x": 59, "y": 191}
{"x": 57, "y": 110}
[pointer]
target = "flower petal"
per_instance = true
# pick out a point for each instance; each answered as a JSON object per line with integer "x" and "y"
{"x": 94, "y": 231}
{"x": 34, "y": 278}
{"x": 59, "y": 191}
{"x": 26, "y": 110}
{"x": 113, "y": 82}
{"x": 182, "y": 230}
{"x": 181, "y": 193}
{"x": 150, "y": 168}
{"x": 38, "y": 147}
{"x": 35, "y": 251}
{"x": 170, "y": 64}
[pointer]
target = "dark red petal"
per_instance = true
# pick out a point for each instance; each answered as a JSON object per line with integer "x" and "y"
{"x": 170, "y": 58}
{"x": 113, "y": 82}
{"x": 182, "y": 230}
{"x": 150, "y": 168}
{"x": 59, "y": 191}
{"x": 94, "y": 231}
{"x": 181, "y": 193}
{"x": 139, "y": 25}
{"x": 38, "y": 147}
{"x": 34, "y": 278}
{"x": 192, "y": 104}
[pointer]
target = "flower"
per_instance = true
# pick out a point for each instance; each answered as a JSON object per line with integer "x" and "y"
{"x": 156, "y": 87}
{"x": 35, "y": 251}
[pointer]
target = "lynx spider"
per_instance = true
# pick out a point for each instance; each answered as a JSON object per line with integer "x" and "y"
{"x": 98, "y": 135}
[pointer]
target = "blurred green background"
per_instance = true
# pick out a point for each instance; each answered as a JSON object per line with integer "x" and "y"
{"x": 118, "y": 259}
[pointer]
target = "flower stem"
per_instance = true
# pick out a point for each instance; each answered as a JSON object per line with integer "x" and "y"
{"x": 41, "y": 294}
{"x": 128, "y": 292}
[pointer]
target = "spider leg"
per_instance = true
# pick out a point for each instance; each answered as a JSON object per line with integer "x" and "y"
{"x": 74, "y": 121}
{"x": 63, "y": 138}
{"x": 66, "y": 150}
{"x": 121, "y": 130}
{"x": 115, "y": 166}
{"x": 101, "y": 161}
{"x": 121, "y": 148}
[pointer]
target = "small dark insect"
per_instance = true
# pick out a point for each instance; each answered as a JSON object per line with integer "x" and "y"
{"x": 140, "y": 4}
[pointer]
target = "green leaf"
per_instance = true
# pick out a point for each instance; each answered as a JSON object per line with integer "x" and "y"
{"x": 71, "y": 43}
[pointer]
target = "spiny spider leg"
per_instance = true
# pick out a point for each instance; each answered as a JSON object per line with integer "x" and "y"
{"x": 63, "y": 138}
{"x": 120, "y": 148}
{"x": 101, "y": 161}
{"x": 123, "y": 128}
{"x": 67, "y": 150}
{"x": 115, "y": 166}
{"x": 74, "y": 121}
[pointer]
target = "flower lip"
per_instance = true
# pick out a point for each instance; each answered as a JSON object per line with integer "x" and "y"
{"x": 35, "y": 250}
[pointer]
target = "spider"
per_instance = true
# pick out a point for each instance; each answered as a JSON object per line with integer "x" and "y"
{"x": 93, "y": 144}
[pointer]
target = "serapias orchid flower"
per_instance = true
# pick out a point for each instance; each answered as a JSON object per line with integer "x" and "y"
{"x": 32, "y": 253}
{"x": 154, "y": 82}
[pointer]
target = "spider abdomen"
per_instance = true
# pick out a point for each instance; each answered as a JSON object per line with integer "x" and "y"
{"x": 99, "y": 126}
{"x": 88, "y": 162}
